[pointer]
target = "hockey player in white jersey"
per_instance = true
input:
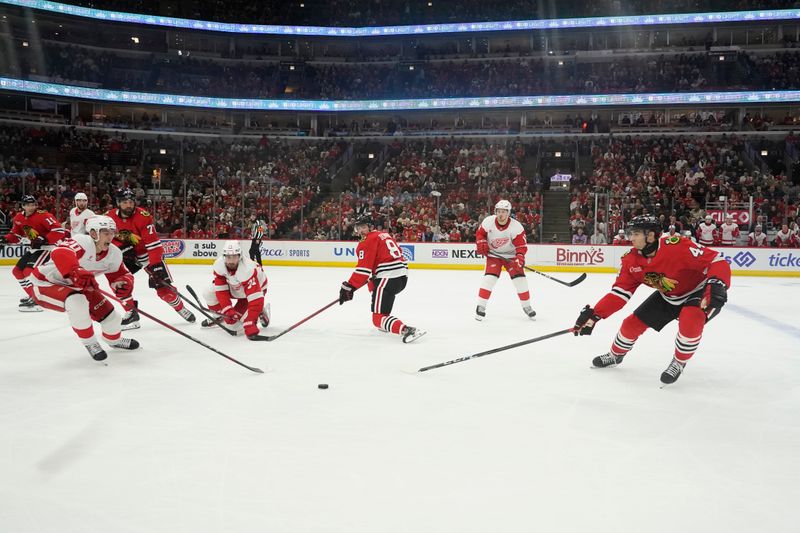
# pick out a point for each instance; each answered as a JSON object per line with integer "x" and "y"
{"x": 729, "y": 231}
{"x": 64, "y": 281}
{"x": 757, "y": 238}
{"x": 238, "y": 292}
{"x": 79, "y": 214}
{"x": 501, "y": 239}
{"x": 707, "y": 232}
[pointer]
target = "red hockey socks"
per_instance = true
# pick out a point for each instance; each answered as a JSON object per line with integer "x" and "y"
{"x": 631, "y": 329}
{"x": 387, "y": 323}
{"x": 691, "y": 322}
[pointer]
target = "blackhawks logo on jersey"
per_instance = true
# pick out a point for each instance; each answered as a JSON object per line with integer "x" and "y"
{"x": 29, "y": 232}
{"x": 126, "y": 237}
{"x": 660, "y": 282}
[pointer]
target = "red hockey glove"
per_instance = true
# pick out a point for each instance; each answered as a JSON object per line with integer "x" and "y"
{"x": 520, "y": 260}
{"x": 585, "y": 322}
{"x": 231, "y": 316}
{"x": 82, "y": 278}
{"x": 482, "y": 247}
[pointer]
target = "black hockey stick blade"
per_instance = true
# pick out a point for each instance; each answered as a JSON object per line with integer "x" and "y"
{"x": 577, "y": 280}
{"x": 495, "y": 350}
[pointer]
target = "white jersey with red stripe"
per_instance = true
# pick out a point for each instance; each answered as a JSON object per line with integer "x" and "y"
{"x": 730, "y": 232}
{"x": 247, "y": 281}
{"x": 504, "y": 241}
{"x": 77, "y": 220}
{"x": 706, "y": 233}
{"x": 46, "y": 271}
{"x": 757, "y": 239}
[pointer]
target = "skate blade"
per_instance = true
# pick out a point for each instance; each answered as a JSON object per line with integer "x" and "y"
{"x": 135, "y": 325}
{"x": 420, "y": 333}
{"x": 34, "y": 309}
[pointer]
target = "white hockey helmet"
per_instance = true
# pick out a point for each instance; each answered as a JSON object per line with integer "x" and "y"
{"x": 709, "y": 218}
{"x": 100, "y": 222}
{"x": 81, "y": 196}
{"x": 503, "y": 204}
{"x": 231, "y": 248}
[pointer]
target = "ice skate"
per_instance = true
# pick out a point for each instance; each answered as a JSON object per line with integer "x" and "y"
{"x": 187, "y": 315}
{"x": 265, "y": 316}
{"x": 124, "y": 344}
{"x": 411, "y": 334}
{"x": 480, "y": 312}
{"x": 96, "y": 351}
{"x": 131, "y": 320}
{"x": 529, "y": 311}
{"x": 673, "y": 372}
{"x": 28, "y": 305}
{"x": 607, "y": 359}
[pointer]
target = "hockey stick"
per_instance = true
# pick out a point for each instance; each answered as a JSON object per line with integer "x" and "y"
{"x": 219, "y": 320}
{"x": 309, "y": 317}
{"x": 495, "y": 350}
{"x": 570, "y": 284}
{"x": 179, "y": 332}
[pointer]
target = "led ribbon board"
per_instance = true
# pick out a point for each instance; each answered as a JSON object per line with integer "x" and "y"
{"x": 427, "y": 104}
{"x": 763, "y": 15}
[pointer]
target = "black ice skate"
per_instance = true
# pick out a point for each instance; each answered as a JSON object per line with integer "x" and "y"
{"x": 529, "y": 311}
{"x": 131, "y": 320}
{"x": 28, "y": 305}
{"x": 480, "y": 312}
{"x": 124, "y": 344}
{"x": 607, "y": 359}
{"x": 187, "y": 315}
{"x": 96, "y": 351}
{"x": 673, "y": 372}
{"x": 411, "y": 334}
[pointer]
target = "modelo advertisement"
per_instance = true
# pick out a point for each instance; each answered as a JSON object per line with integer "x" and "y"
{"x": 546, "y": 257}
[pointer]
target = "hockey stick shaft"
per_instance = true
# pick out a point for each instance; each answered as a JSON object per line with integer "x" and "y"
{"x": 306, "y": 319}
{"x": 495, "y": 350}
{"x": 219, "y": 320}
{"x": 199, "y": 308}
{"x": 568, "y": 284}
{"x": 181, "y": 333}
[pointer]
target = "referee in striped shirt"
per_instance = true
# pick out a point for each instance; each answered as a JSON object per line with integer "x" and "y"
{"x": 259, "y": 227}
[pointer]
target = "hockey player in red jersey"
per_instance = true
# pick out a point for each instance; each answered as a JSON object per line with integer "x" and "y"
{"x": 64, "y": 281}
{"x": 691, "y": 283}
{"x": 42, "y": 230}
{"x": 238, "y": 291}
{"x": 501, "y": 239}
{"x": 382, "y": 267}
{"x": 141, "y": 247}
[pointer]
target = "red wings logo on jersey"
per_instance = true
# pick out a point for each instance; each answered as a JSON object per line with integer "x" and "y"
{"x": 500, "y": 242}
{"x": 29, "y": 232}
{"x": 126, "y": 237}
{"x": 660, "y": 282}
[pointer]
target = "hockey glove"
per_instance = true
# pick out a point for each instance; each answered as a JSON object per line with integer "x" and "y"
{"x": 158, "y": 273}
{"x": 520, "y": 261}
{"x": 482, "y": 247}
{"x": 38, "y": 242}
{"x": 586, "y": 322}
{"x": 346, "y": 293}
{"x": 231, "y": 316}
{"x": 82, "y": 278}
{"x": 714, "y": 297}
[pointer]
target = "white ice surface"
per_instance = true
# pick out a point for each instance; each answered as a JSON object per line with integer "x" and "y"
{"x": 173, "y": 438}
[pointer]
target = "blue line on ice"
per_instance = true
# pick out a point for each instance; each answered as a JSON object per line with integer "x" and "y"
{"x": 765, "y": 320}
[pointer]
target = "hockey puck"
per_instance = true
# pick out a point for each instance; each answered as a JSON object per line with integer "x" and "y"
{"x": 322, "y": 386}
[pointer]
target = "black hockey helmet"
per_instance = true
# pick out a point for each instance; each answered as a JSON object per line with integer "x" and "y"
{"x": 125, "y": 194}
{"x": 363, "y": 219}
{"x": 28, "y": 199}
{"x": 645, "y": 223}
